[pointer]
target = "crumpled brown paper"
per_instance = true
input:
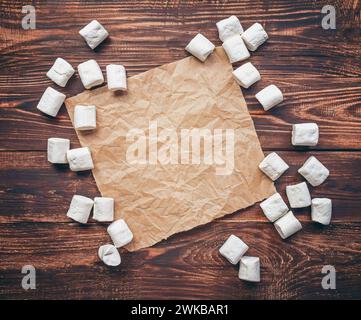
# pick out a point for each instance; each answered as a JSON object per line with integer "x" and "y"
{"x": 158, "y": 200}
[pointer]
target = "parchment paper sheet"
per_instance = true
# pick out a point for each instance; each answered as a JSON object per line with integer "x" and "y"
{"x": 160, "y": 200}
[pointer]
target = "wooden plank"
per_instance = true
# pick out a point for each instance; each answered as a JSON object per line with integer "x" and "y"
{"x": 290, "y": 269}
{"x": 298, "y": 46}
{"x": 334, "y": 103}
{"x": 34, "y": 190}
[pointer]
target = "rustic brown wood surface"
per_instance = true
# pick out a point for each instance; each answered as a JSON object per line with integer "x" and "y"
{"x": 318, "y": 70}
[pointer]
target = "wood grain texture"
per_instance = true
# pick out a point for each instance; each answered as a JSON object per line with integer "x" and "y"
{"x": 319, "y": 72}
{"x": 46, "y": 190}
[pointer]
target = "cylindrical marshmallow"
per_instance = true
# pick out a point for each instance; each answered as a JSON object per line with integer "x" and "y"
{"x": 287, "y": 225}
{"x": 57, "y": 149}
{"x": 249, "y": 269}
{"x": 314, "y": 171}
{"x": 254, "y": 36}
{"x": 321, "y": 210}
{"x": 109, "y": 255}
{"x": 51, "y": 101}
{"x": 274, "y": 207}
{"x": 103, "y": 209}
{"x": 80, "y": 208}
{"x": 273, "y": 166}
{"x": 94, "y": 34}
{"x": 116, "y": 77}
{"x": 235, "y": 49}
{"x": 60, "y": 72}
{"x": 90, "y": 74}
{"x": 269, "y": 97}
{"x": 85, "y": 117}
{"x": 298, "y": 195}
{"x": 229, "y": 27}
{"x": 305, "y": 134}
{"x": 246, "y": 75}
{"x": 80, "y": 159}
{"x": 200, "y": 47}
{"x": 120, "y": 233}
{"x": 233, "y": 249}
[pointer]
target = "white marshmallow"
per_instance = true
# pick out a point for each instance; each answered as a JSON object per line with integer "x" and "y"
{"x": 60, "y": 72}
{"x": 120, "y": 233}
{"x": 80, "y": 159}
{"x": 233, "y": 249}
{"x": 103, "y": 209}
{"x": 229, "y": 27}
{"x": 57, "y": 149}
{"x": 274, "y": 207}
{"x": 269, "y": 97}
{"x": 109, "y": 255}
{"x": 254, "y": 36}
{"x": 321, "y": 210}
{"x": 314, "y": 171}
{"x": 249, "y": 269}
{"x": 90, "y": 74}
{"x": 94, "y": 34}
{"x": 298, "y": 195}
{"x": 200, "y": 47}
{"x": 80, "y": 208}
{"x": 84, "y": 117}
{"x": 51, "y": 101}
{"x": 235, "y": 49}
{"x": 287, "y": 225}
{"x": 273, "y": 166}
{"x": 246, "y": 75}
{"x": 116, "y": 77}
{"x": 305, "y": 134}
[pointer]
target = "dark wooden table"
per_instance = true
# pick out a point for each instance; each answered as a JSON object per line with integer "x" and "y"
{"x": 319, "y": 72}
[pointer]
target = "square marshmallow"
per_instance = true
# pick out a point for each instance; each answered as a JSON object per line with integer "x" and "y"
{"x": 269, "y": 97}
{"x": 287, "y": 225}
{"x": 314, "y": 171}
{"x": 109, "y": 254}
{"x": 116, "y": 77}
{"x": 200, "y": 47}
{"x": 103, "y": 209}
{"x": 235, "y": 49}
{"x": 274, "y": 207}
{"x": 305, "y": 134}
{"x": 90, "y": 74}
{"x": 94, "y": 34}
{"x": 254, "y": 36}
{"x": 60, "y": 72}
{"x": 57, "y": 149}
{"x": 298, "y": 195}
{"x": 51, "y": 101}
{"x": 321, "y": 210}
{"x": 120, "y": 233}
{"x": 80, "y": 159}
{"x": 80, "y": 208}
{"x": 229, "y": 27}
{"x": 246, "y": 75}
{"x": 273, "y": 166}
{"x": 233, "y": 249}
{"x": 249, "y": 269}
{"x": 84, "y": 117}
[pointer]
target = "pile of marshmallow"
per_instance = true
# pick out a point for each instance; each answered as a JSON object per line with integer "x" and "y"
{"x": 236, "y": 44}
{"x": 80, "y": 159}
